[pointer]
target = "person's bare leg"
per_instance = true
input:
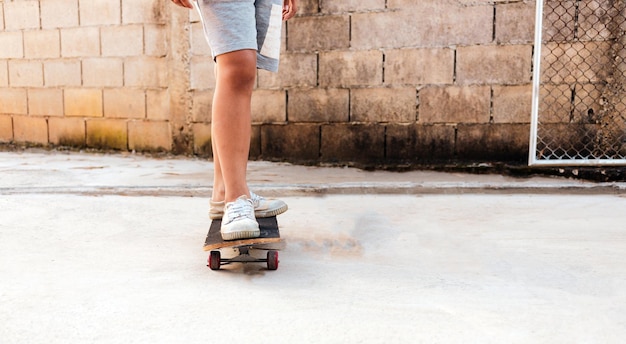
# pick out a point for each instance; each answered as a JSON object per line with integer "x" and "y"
{"x": 219, "y": 189}
{"x": 231, "y": 123}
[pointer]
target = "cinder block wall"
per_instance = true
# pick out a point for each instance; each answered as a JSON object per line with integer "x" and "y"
{"x": 85, "y": 73}
{"x": 364, "y": 81}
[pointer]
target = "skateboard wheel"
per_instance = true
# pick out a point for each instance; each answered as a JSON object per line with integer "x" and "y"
{"x": 215, "y": 260}
{"x": 272, "y": 260}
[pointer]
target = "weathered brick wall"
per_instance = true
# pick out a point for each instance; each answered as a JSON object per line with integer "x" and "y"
{"x": 85, "y": 73}
{"x": 367, "y": 81}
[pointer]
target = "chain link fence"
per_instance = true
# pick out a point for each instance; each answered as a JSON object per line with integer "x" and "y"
{"x": 579, "y": 93}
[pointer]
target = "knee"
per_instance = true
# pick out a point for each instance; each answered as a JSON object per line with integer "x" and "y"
{"x": 238, "y": 69}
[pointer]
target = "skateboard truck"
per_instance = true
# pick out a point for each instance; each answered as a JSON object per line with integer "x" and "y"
{"x": 244, "y": 255}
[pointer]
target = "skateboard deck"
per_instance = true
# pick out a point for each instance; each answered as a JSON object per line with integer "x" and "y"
{"x": 245, "y": 250}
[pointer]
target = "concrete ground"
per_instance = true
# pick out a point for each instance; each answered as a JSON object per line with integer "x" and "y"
{"x": 108, "y": 249}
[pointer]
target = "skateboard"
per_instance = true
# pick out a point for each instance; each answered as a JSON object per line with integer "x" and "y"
{"x": 263, "y": 249}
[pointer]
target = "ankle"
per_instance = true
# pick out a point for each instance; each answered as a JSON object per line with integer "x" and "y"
{"x": 232, "y": 196}
{"x": 218, "y": 196}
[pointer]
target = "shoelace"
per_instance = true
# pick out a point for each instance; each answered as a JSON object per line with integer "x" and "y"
{"x": 238, "y": 209}
{"x": 256, "y": 199}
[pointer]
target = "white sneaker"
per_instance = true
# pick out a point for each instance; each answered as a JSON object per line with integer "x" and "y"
{"x": 238, "y": 221}
{"x": 263, "y": 207}
{"x": 267, "y": 207}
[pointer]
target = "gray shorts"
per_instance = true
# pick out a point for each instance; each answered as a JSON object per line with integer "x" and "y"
{"x": 231, "y": 25}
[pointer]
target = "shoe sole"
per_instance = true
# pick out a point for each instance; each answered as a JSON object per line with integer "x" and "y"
{"x": 264, "y": 213}
{"x": 270, "y": 213}
{"x": 241, "y": 235}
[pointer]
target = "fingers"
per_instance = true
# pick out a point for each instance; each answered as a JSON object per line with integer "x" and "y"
{"x": 289, "y": 9}
{"x": 184, "y": 3}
